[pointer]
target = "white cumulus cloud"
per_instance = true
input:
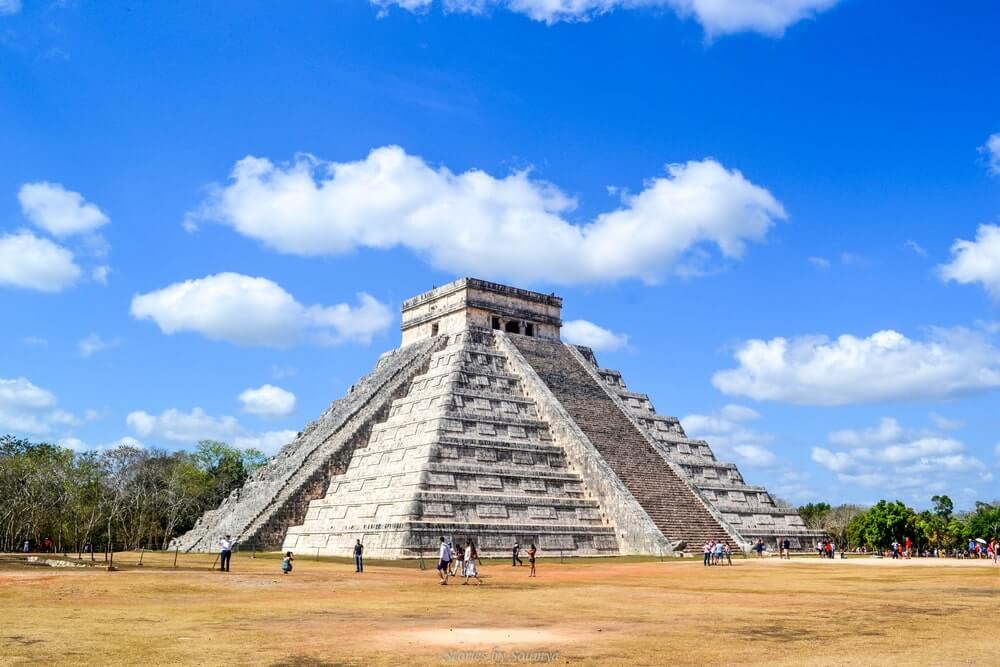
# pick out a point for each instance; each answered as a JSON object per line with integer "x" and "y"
{"x": 888, "y": 430}
{"x": 726, "y": 430}
{"x": 268, "y": 442}
{"x": 991, "y": 149}
{"x": 599, "y": 339}
{"x": 35, "y": 263}
{"x": 249, "y": 310}
{"x": 268, "y": 401}
{"x": 814, "y": 370}
{"x": 191, "y": 426}
{"x": 717, "y": 17}
{"x": 179, "y": 426}
{"x": 472, "y": 223}
{"x": 59, "y": 211}
{"x": 891, "y": 457}
{"x": 27, "y": 409}
{"x": 976, "y": 261}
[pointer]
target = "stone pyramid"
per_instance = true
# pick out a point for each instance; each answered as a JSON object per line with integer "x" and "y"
{"x": 484, "y": 425}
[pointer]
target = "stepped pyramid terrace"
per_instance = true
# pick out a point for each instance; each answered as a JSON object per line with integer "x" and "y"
{"x": 485, "y": 425}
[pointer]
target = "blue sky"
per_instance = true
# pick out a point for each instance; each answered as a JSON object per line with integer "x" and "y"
{"x": 193, "y": 197}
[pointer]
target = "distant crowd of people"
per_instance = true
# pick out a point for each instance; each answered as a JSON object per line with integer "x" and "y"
{"x": 458, "y": 561}
{"x": 453, "y": 560}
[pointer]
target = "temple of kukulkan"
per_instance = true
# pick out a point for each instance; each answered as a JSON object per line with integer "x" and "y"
{"x": 483, "y": 424}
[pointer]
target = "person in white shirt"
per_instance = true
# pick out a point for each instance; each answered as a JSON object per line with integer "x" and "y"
{"x": 226, "y": 553}
{"x": 470, "y": 563}
{"x": 444, "y": 560}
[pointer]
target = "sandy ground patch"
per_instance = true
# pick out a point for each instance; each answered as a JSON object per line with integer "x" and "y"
{"x": 605, "y": 612}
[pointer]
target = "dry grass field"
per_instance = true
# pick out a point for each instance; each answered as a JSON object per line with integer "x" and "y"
{"x": 605, "y": 612}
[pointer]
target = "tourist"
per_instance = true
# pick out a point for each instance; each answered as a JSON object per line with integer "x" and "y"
{"x": 707, "y": 551}
{"x": 786, "y": 544}
{"x": 457, "y": 560}
{"x": 719, "y": 547}
{"x": 781, "y": 547}
{"x": 359, "y": 562}
{"x": 531, "y": 559}
{"x": 833, "y": 549}
{"x": 286, "y": 563}
{"x": 470, "y": 563}
{"x": 759, "y": 548}
{"x": 444, "y": 560}
{"x": 515, "y": 558}
{"x": 729, "y": 554}
{"x": 225, "y": 553}
{"x": 820, "y": 548}
{"x": 27, "y": 546}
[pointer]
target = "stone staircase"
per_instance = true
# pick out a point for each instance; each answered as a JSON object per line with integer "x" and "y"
{"x": 667, "y": 499}
{"x": 463, "y": 454}
{"x": 277, "y": 495}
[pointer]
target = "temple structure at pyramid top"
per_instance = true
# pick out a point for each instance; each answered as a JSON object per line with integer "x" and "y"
{"x": 470, "y": 303}
{"x": 483, "y": 424}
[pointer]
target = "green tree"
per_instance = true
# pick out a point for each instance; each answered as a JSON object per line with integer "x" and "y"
{"x": 943, "y": 507}
{"x": 887, "y": 522}
{"x": 228, "y": 467}
{"x": 984, "y": 522}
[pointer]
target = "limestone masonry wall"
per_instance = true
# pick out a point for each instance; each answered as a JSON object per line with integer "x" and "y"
{"x": 276, "y": 495}
{"x": 749, "y": 511}
{"x": 465, "y": 454}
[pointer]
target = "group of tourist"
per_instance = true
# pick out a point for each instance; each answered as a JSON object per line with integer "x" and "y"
{"x": 456, "y": 561}
{"x": 984, "y": 549}
{"x": 46, "y": 546}
{"x": 453, "y": 559}
{"x": 826, "y": 549}
{"x": 515, "y": 559}
{"x": 784, "y": 548}
{"x": 227, "y": 543}
{"x": 899, "y": 550}
{"x": 715, "y": 551}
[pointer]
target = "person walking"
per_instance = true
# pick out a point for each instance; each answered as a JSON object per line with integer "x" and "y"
{"x": 515, "y": 558}
{"x": 786, "y": 544}
{"x": 444, "y": 561}
{"x": 457, "y": 560}
{"x": 707, "y": 552}
{"x": 759, "y": 548}
{"x": 286, "y": 563}
{"x": 359, "y": 561}
{"x": 27, "y": 546}
{"x": 471, "y": 557}
{"x": 531, "y": 559}
{"x": 225, "y": 553}
{"x": 729, "y": 554}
